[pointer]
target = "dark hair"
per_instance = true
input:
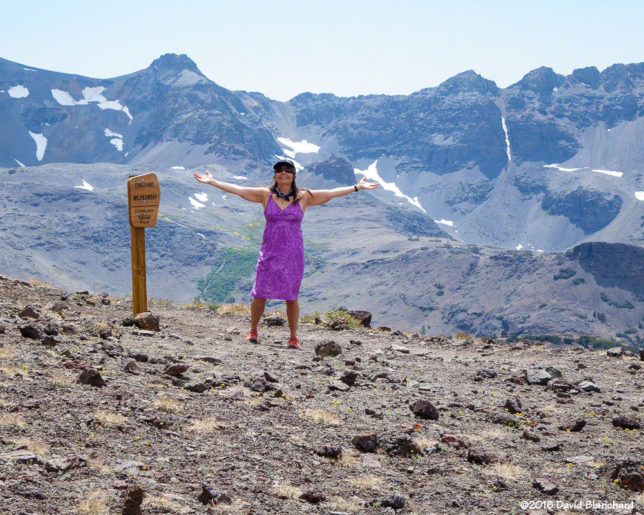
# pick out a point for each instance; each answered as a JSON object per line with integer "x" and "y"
{"x": 297, "y": 192}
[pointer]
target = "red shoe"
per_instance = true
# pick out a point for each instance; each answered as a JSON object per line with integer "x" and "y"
{"x": 293, "y": 343}
{"x": 251, "y": 336}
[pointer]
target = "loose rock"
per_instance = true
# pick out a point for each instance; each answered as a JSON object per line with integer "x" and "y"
{"x": 91, "y": 377}
{"x": 425, "y": 410}
{"x": 147, "y": 321}
{"x": 626, "y": 422}
{"x": 365, "y": 442}
{"x": 210, "y": 495}
{"x": 328, "y": 349}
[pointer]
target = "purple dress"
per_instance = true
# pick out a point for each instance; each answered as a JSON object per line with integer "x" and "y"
{"x": 281, "y": 257}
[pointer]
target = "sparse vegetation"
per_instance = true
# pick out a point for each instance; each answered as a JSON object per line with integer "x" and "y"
{"x": 578, "y": 280}
{"x": 237, "y": 263}
{"x": 205, "y": 425}
{"x": 564, "y": 273}
{"x": 97, "y": 503}
{"x": 168, "y": 404}
{"x": 11, "y": 421}
{"x": 320, "y": 416}
{"x": 624, "y": 305}
{"x": 109, "y": 419}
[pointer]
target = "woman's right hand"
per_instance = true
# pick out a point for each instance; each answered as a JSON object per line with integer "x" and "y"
{"x": 205, "y": 178}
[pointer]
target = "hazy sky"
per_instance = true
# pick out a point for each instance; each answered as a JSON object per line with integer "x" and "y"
{"x": 285, "y": 47}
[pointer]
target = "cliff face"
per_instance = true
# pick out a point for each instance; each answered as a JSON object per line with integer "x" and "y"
{"x": 616, "y": 265}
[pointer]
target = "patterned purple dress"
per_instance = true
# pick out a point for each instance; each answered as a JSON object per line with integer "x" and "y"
{"x": 281, "y": 257}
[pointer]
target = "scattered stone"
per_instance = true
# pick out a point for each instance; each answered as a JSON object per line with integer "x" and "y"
{"x": 91, "y": 377}
{"x": 29, "y": 312}
{"x": 143, "y": 332}
{"x": 486, "y": 373}
{"x": 574, "y": 426}
{"x": 3, "y": 329}
{"x": 560, "y": 386}
{"x": 530, "y": 435}
{"x": 480, "y": 456}
{"x": 588, "y": 386}
{"x": 133, "y": 498}
{"x": 19, "y": 456}
{"x": 211, "y": 496}
{"x": 270, "y": 377}
{"x": 537, "y": 376}
{"x": 629, "y": 473}
{"x": 400, "y": 348}
{"x": 147, "y": 321}
{"x": 127, "y": 322}
{"x": 393, "y": 501}
{"x": 28, "y": 492}
{"x": 209, "y": 359}
{"x": 625, "y": 422}
{"x": 339, "y": 386}
{"x": 339, "y": 324}
{"x": 139, "y": 356}
{"x": 132, "y": 368}
{"x": 329, "y": 451}
{"x": 274, "y": 321}
{"x": 313, "y": 497}
{"x": 200, "y": 385}
{"x": 328, "y": 349}
{"x": 32, "y": 331}
{"x": 546, "y": 486}
{"x": 425, "y": 410}
{"x": 505, "y": 419}
{"x": 176, "y": 369}
{"x": 453, "y": 441}
{"x": 641, "y": 354}
{"x": 615, "y": 352}
{"x": 349, "y": 377}
{"x": 364, "y": 317}
{"x": 71, "y": 461}
{"x": 365, "y": 442}
{"x": 552, "y": 447}
{"x": 402, "y": 446}
{"x": 513, "y": 405}
{"x": 49, "y": 340}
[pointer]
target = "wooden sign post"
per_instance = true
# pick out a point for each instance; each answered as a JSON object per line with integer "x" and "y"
{"x": 143, "y": 195}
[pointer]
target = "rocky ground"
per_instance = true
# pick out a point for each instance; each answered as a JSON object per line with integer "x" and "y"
{"x": 101, "y": 415}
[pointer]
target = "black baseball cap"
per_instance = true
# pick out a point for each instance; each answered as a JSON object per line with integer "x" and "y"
{"x": 284, "y": 162}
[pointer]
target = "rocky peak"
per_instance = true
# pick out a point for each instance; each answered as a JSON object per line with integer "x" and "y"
{"x": 621, "y": 76}
{"x": 468, "y": 81}
{"x": 541, "y": 80}
{"x": 589, "y": 76}
{"x": 336, "y": 169}
{"x": 175, "y": 62}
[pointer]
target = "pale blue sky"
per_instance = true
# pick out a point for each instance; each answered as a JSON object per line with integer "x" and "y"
{"x": 351, "y": 47}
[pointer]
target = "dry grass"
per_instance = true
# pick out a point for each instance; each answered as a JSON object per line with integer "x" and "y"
{"x": 286, "y": 491}
{"x": 100, "y": 467}
{"x": 368, "y": 482}
{"x": 168, "y": 404}
{"x": 61, "y": 379}
{"x": 97, "y": 503}
{"x": 506, "y": 471}
{"x": 109, "y": 419}
{"x": 463, "y": 335}
{"x": 320, "y": 416}
{"x": 164, "y": 504}
{"x": 205, "y": 425}
{"x": 425, "y": 442}
{"x": 488, "y": 434}
{"x": 348, "y": 460}
{"x": 100, "y": 325}
{"x": 7, "y": 352}
{"x": 11, "y": 420}
{"x": 36, "y": 446}
{"x": 233, "y": 309}
{"x": 195, "y": 304}
{"x": 12, "y": 370}
{"x": 38, "y": 282}
{"x": 343, "y": 504}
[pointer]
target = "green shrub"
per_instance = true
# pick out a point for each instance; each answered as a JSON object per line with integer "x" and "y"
{"x": 564, "y": 273}
{"x": 578, "y": 280}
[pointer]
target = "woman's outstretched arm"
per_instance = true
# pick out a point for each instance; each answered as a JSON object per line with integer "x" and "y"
{"x": 251, "y": 194}
{"x": 317, "y": 197}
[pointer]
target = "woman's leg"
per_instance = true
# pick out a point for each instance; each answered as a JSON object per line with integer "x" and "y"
{"x": 256, "y": 312}
{"x": 293, "y": 315}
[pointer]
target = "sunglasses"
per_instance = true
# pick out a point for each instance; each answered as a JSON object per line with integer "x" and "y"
{"x": 285, "y": 169}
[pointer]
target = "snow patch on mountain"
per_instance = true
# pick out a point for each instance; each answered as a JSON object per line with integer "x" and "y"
{"x": 202, "y": 197}
{"x": 450, "y": 223}
{"x": 639, "y": 195}
{"x": 177, "y": 168}
{"x": 41, "y": 144}
{"x": 507, "y": 139}
{"x": 86, "y": 186}
{"x": 612, "y": 173}
{"x": 90, "y": 94}
{"x": 23, "y": 166}
{"x": 298, "y": 147}
{"x": 18, "y": 92}
{"x": 117, "y": 139}
{"x": 240, "y": 177}
{"x": 371, "y": 173}
{"x": 195, "y": 204}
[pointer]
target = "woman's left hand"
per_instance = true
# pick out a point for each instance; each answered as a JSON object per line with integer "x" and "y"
{"x": 364, "y": 185}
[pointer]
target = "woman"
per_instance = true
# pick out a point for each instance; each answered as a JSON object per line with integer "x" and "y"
{"x": 281, "y": 258}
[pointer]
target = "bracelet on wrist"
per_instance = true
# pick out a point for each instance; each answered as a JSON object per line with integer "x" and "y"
{"x": 355, "y": 187}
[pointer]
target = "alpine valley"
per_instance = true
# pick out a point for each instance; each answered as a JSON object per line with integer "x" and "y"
{"x": 515, "y": 210}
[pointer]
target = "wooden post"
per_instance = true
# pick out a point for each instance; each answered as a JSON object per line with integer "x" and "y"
{"x": 144, "y": 195}
{"x": 139, "y": 288}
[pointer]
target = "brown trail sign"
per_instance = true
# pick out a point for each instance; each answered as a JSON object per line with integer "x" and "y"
{"x": 143, "y": 197}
